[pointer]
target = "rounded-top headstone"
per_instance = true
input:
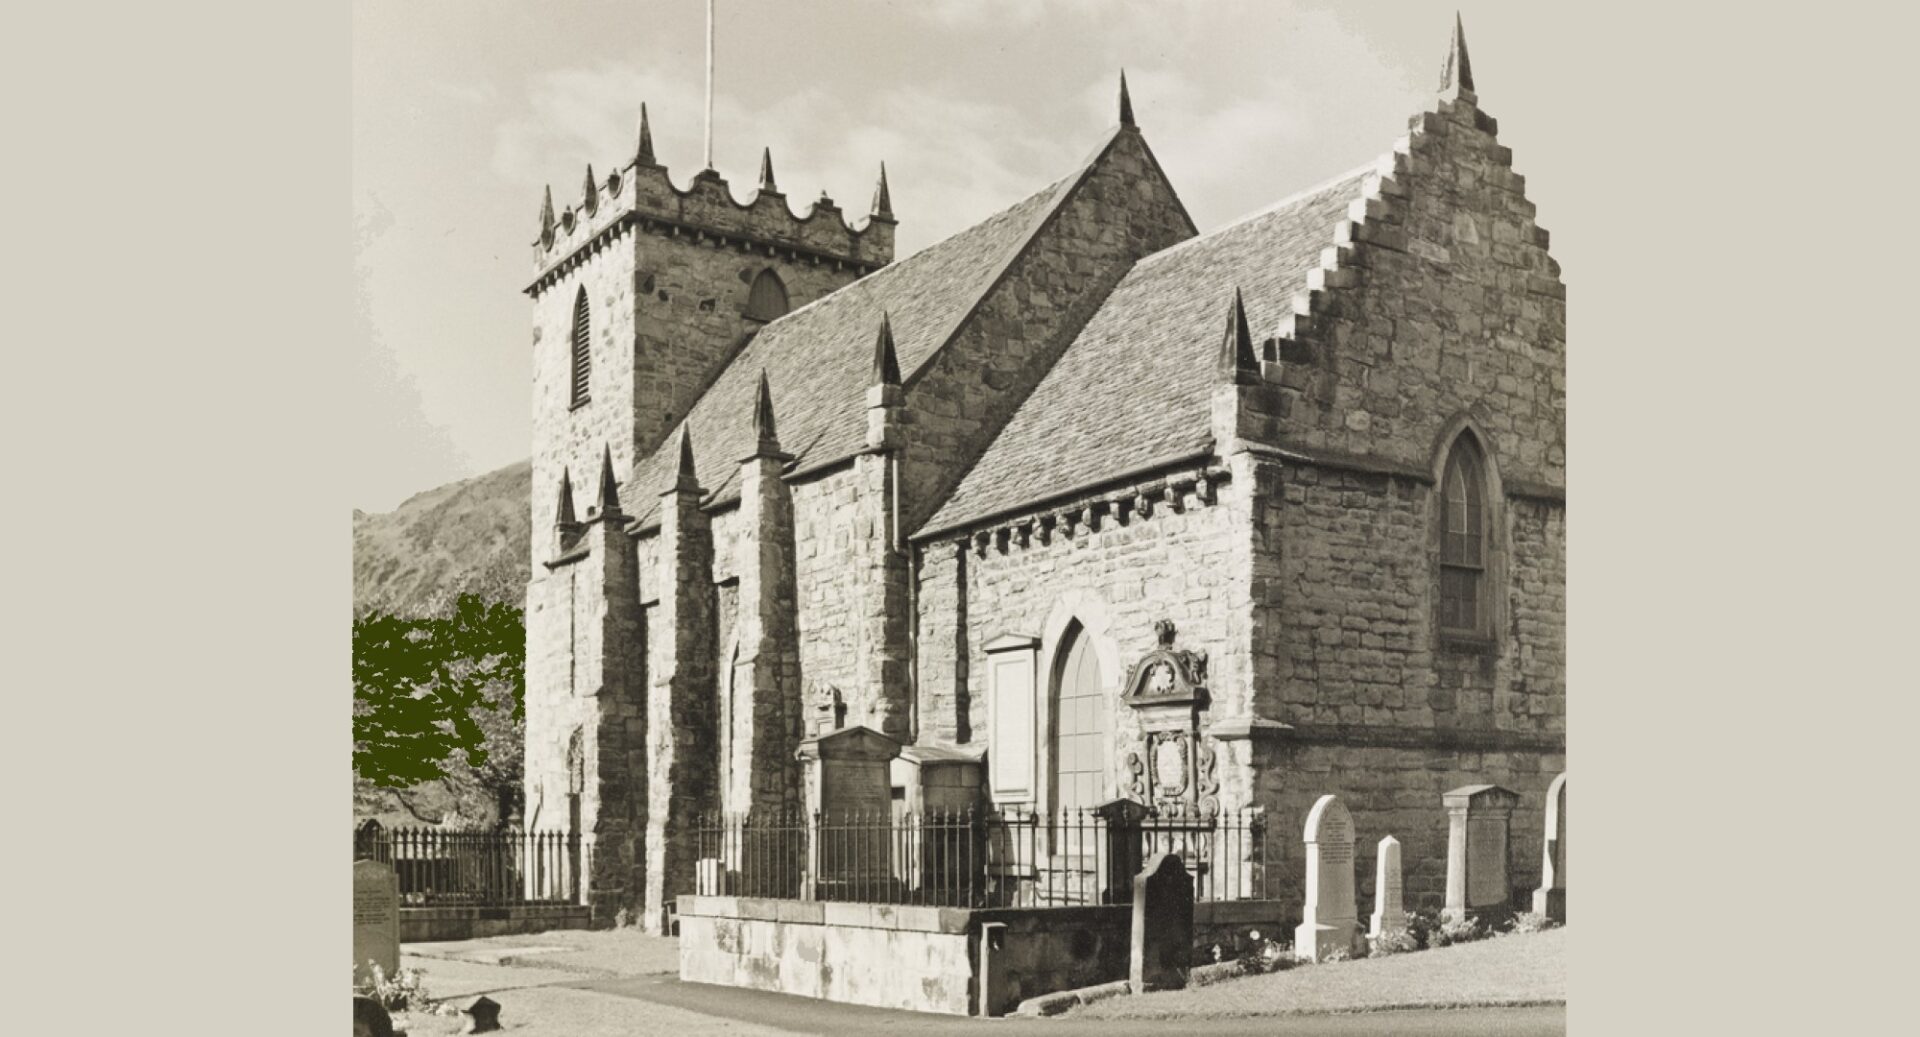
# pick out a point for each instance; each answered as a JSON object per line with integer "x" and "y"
{"x": 1551, "y": 898}
{"x": 1329, "y": 918}
{"x": 1555, "y": 864}
{"x": 1329, "y": 821}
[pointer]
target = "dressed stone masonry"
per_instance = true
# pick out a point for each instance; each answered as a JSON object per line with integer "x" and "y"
{"x": 1078, "y": 505}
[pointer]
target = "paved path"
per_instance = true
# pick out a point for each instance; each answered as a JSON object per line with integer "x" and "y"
{"x": 807, "y": 1015}
{"x": 589, "y": 1000}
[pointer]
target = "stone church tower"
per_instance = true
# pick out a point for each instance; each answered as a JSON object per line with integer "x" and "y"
{"x": 643, "y": 293}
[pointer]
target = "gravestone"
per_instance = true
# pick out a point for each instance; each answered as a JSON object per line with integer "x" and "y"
{"x": 1121, "y": 818}
{"x": 483, "y": 1015}
{"x": 993, "y": 970}
{"x": 1478, "y": 818}
{"x": 1162, "y": 947}
{"x": 848, "y": 787}
{"x": 369, "y": 1019}
{"x": 1329, "y": 920}
{"x": 1551, "y": 898}
{"x": 1389, "y": 912}
{"x": 376, "y": 918}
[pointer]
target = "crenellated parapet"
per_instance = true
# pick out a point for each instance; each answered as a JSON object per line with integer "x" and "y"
{"x": 641, "y": 197}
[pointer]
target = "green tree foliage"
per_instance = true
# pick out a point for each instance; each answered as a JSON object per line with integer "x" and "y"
{"x": 440, "y": 697}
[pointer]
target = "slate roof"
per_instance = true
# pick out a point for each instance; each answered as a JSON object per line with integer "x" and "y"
{"x": 1135, "y": 387}
{"x": 819, "y": 358}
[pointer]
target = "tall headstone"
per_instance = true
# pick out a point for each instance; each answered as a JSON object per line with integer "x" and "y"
{"x": 376, "y": 918}
{"x": 1162, "y": 949}
{"x": 1551, "y": 898}
{"x": 849, "y": 789}
{"x": 1478, "y": 820}
{"x": 1389, "y": 913}
{"x": 1329, "y": 921}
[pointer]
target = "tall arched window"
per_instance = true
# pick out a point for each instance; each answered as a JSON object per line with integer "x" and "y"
{"x": 1079, "y": 749}
{"x": 1463, "y": 541}
{"x": 767, "y": 299}
{"x": 582, "y": 349}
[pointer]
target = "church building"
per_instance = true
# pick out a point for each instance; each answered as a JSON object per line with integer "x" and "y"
{"x": 1297, "y": 484}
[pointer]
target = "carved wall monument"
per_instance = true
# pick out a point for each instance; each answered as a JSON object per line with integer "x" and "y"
{"x": 1173, "y": 769}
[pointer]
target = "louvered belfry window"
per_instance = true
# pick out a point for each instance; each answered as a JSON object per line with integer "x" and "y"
{"x": 1463, "y": 542}
{"x": 582, "y": 349}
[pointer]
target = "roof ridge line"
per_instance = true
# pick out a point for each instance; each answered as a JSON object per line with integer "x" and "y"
{"x": 1296, "y": 197}
{"x": 1063, "y": 188}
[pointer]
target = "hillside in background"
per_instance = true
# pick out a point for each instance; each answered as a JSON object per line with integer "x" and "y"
{"x": 465, "y": 537}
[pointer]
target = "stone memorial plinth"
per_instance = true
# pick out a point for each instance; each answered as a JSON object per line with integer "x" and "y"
{"x": 1389, "y": 912}
{"x": 1551, "y": 898}
{"x": 1478, "y": 821}
{"x": 1120, "y": 820}
{"x": 942, "y": 783}
{"x": 1328, "y": 921}
{"x": 847, "y": 787}
{"x": 376, "y": 919}
{"x": 1162, "y": 949}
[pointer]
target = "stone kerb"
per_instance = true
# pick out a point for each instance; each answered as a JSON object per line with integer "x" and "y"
{"x": 1389, "y": 910}
{"x": 1551, "y": 898}
{"x": 1162, "y": 943}
{"x": 1478, "y": 829}
{"x": 1329, "y": 920}
{"x": 376, "y": 918}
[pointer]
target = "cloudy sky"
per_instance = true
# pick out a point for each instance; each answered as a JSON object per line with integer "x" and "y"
{"x": 464, "y": 109}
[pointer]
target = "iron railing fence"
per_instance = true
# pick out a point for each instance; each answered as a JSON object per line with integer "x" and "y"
{"x": 972, "y": 858}
{"x": 485, "y": 867}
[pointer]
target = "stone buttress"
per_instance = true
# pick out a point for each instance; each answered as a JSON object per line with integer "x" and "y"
{"x": 586, "y": 697}
{"x": 682, "y": 782}
{"x": 884, "y": 618}
{"x": 762, "y": 773}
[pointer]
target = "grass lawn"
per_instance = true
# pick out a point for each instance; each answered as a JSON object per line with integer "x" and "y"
{"x": 1521, "y": 969}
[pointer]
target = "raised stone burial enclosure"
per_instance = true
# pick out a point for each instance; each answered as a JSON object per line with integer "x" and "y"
{"x": 958, "y": 961}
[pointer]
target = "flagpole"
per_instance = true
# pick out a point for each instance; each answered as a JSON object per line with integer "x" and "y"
{"x": 709, "y": 84}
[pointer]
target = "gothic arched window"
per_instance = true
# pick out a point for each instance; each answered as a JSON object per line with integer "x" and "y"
{"x": 582, "y": 349}
{"x": 1079, "y": 736}
{"x": 767, "y": 299}
{"x": 1463, "y": 541}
